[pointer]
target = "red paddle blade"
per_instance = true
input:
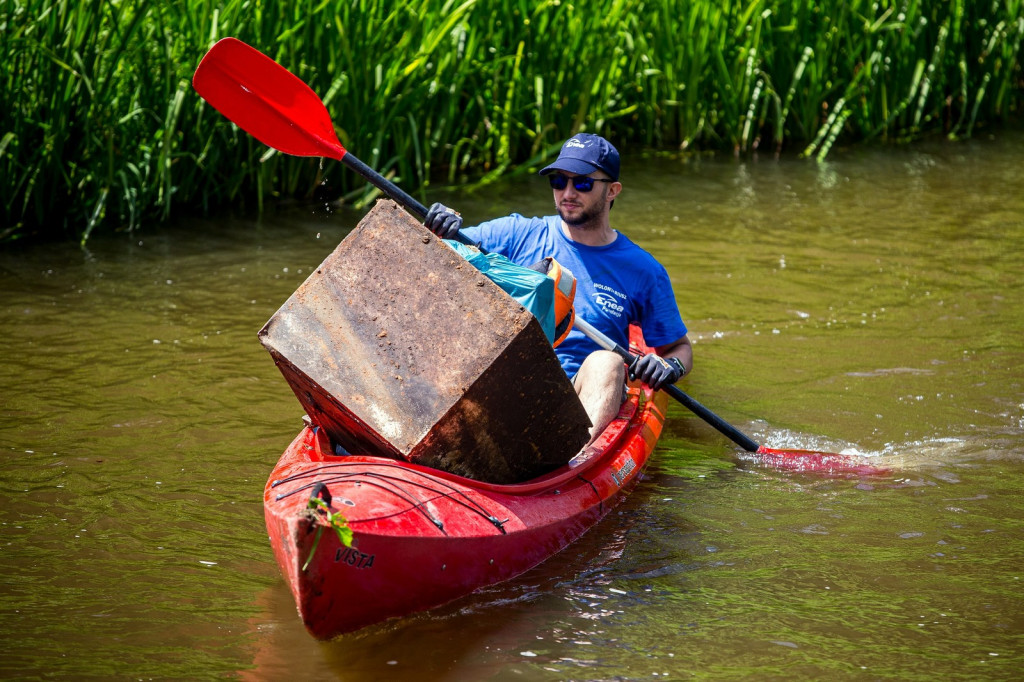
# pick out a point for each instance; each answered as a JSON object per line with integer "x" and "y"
{"x": 822, "y": 462}
{"x": 266, "y": 100}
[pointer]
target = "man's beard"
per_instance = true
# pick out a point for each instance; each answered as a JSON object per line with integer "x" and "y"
{"x": 585, "y": 219}
{"x": 582, "y": 220}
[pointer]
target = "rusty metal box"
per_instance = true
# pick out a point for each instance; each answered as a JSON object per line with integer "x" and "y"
{"x": 398, "y": 347}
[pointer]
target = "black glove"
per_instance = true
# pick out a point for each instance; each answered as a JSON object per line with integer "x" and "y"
{"x": 443, "y": 221}
{"x": 655, "y": 371}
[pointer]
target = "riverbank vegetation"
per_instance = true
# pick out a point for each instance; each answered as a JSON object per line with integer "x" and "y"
{"x": 100, "y": 128}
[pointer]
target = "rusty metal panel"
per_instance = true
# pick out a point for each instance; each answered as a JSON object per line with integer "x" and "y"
{"x": 398, "y": 347}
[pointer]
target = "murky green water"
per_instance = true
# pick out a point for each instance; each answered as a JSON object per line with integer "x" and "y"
{"x": 871, "y": 305}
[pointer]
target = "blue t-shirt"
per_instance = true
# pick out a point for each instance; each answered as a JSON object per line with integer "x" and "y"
{"x": 616, "y": 285}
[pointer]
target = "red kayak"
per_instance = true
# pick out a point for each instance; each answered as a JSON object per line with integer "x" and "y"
{"x": 423, "y": 537}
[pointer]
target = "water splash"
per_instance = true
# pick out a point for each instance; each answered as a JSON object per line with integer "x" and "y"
{"x": 794, "y": 451}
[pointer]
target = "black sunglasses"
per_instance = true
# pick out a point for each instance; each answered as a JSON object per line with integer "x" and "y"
{"x": 581, "y": 183}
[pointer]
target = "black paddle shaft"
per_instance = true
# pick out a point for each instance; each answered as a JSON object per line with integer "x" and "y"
{"x": 397, "y": 193}
{"x": 726, "y": 429}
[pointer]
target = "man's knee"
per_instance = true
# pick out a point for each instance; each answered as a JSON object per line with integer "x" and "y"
{"x": 601, "y": 366}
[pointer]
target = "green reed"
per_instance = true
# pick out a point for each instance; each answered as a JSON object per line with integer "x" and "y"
{"x": 100, "y": 126}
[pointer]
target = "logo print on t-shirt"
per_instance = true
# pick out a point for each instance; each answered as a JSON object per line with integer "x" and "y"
{"x": 607, "y": 300}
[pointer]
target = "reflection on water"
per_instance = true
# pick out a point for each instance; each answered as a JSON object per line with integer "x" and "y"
{"x": 868, "y": 306}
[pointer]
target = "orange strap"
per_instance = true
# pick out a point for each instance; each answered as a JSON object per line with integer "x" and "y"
{"x": 565, "y": 294}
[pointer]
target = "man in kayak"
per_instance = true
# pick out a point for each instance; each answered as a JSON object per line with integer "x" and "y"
{"x": 617, "y": 282}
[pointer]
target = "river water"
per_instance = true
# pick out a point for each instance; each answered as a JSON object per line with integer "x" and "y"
{"x": 870, "y": 305}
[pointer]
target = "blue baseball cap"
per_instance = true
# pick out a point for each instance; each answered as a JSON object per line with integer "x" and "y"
{"x": 585, "y": 153}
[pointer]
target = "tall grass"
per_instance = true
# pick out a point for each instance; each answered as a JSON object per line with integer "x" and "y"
{"x": 100, "y": 129}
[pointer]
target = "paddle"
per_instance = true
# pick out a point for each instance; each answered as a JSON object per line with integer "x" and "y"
{"x": 276, "y": 107}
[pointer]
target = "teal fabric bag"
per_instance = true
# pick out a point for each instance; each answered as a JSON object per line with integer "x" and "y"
{"x": 535, "y": 291}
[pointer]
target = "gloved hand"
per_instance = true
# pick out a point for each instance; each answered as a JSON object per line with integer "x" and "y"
{"x": 443, "y": 221}
{"x": 654, "y": 370}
